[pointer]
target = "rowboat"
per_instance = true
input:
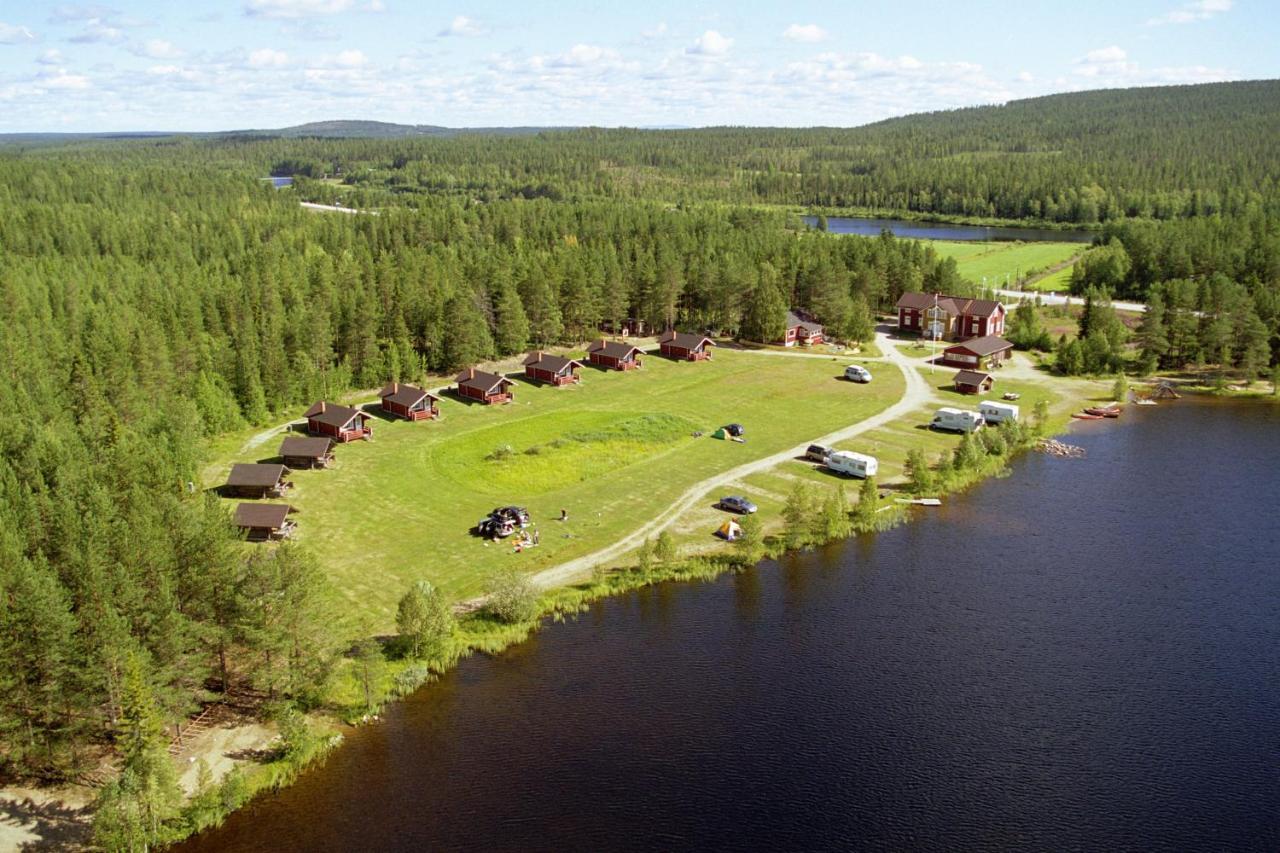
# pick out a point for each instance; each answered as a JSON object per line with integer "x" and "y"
{"x": 1103, "y": 411}
{"x": 1085, "y": 416}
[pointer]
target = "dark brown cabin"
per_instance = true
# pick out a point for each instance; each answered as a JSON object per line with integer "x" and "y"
{"x": 264, "y": 522}
{"x": 977, "y": 353}
{"x": 298, "y": 452}
{"x": 553, "y": 369}
{"x": 488, "y": 388}
{"x": 685, "y": 347}
{"x": 341, "y": 423}
{"x": 250, "y": 480}
{"x": 973, "y": 381}
{"x": 409, "y": 402}
{"x": 614, "y": 355}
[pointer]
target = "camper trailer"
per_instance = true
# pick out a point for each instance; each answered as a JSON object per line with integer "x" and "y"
{"x": 997, "y": 413}
{"x": 852, "y": 464}
{"x": 957, "y": 420}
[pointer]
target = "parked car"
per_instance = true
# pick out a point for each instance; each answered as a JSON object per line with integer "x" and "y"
{"x": 852, "y": 464}
{"x": 817, "y": 453}
{"x": 734, "y": 430}
{"x": 517, "y": 515}
{"x": 493, "y": 527}
{"x": 738, "y": 504}
{"x": 857, "y": 373}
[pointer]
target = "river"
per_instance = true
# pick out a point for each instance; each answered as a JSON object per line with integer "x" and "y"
{"x": 1084, "y": 655}
{"x": 868, "y": 227}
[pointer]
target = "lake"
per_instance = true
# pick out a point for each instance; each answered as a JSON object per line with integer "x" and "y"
{"x": 943, "y": 231}
{"x": 279, "y": 182}
{"x": 1084, "y": 655}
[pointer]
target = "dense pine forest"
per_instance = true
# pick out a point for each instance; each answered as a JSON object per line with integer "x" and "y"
{"x": 157, "y": 293}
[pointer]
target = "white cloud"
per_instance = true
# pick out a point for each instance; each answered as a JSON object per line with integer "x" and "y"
{"x": 807, "y": 33}
{"x": 1112, "y": 67}
{"x": 1188, "y": 13}
{"x": 710, "y": 43}
{"x": 159, "y": 49}
{"x": 295, "y": 9}
{"x": 351, "y": 59}
{"x": 268, "y": 58}
{"x": 12, "y": 34}
{"x": 464, "y": 27}
{"x": 51, "y": 57}
{"x": 98, "y": 30}
{"x": 657, "y": 31}
{"x": 61, "y": 80}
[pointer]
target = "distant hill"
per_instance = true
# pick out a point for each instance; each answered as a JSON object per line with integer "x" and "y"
{"x": 354, "y": 129}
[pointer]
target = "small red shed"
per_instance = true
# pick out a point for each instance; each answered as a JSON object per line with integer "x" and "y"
{"x": 684, "y": 346}
{"x": 615, "y": 355}
{"x": 409, "y": 402}
{"x": 973, "y": 381}
{"x": 555, "y": 369}
{"x": 341, "y": 423}
{"x": 488, "y": 388}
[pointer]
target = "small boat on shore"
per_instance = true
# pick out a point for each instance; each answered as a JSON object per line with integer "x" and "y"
{"x": 1145, "y": 402}
{"x": 920, "y": 501}
{"x": 1085, "y": 416}
{"x": 1103, "y": 411}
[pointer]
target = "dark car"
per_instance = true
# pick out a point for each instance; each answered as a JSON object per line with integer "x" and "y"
{"x": 734, "y": 430}
{"x": 516, "y": 515}
{"x": 738, "y": 504}
{"x": 817, "y": 453}
{"x": 492, "y": 527}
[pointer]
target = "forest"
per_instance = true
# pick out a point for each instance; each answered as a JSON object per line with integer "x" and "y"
{"x": 158, "y": 293}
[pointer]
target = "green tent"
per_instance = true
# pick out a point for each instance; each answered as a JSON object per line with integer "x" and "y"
{"x": 719, "y": 434}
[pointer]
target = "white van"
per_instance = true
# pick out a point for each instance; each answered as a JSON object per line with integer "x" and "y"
{"x": 997, "y": 413}
{"x": 857, "y": 373}
{"x": 852, "y": 464}
{"x": 957, "y": 420}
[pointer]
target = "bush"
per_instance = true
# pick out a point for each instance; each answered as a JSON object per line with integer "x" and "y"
{"x": 512, "y": 597}
{"x": 501, "y": 452}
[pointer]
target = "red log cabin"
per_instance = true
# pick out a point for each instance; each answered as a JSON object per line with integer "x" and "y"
{"x": 488, "y": 388}
{"x": 614, "y": 355}
{"x": 409, "y": 402}
{"x": 973, "y": 381}
{"x": 801, "y": 329}
{"x": 685, "y": 347}
{"x": 341, "y": 423}
{"x": 952, "y": 318}
{"x": 553, "y": 369}
{"x": 977, "y": 353}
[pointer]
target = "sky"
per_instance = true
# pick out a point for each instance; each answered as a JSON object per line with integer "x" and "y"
{"x": 175, "y": 66}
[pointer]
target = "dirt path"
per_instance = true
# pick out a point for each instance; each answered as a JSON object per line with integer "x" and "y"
{"x": 917, "y": 394}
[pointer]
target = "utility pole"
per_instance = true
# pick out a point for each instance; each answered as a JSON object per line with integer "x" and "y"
{"x": 933, "y": 334}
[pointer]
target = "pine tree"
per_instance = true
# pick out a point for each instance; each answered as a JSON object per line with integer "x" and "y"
{"x": 425, "y": 620}
{"x": 921, "y": 476}
{"x": 466, "y": 335}
{"x": 750, "y": 542}
{"x": 798, "y": 514}
{"x": 864, "y": 512}
{"x": 512, "y": 332}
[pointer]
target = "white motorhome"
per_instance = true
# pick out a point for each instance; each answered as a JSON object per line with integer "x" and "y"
{"x": 957, "y": 420}
{"x": 997, "y": 413}
{"x": 852, "y": 464}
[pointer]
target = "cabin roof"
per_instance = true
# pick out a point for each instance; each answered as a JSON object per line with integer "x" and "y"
{"x": 613, "y": 349}
{"x": 404, "y": 395}
{"x": 795, "y": 319}
{"x": 971, "y": 377}
{"x": 271, "y": 516}
{"x": 332, "y": 414}
{"x": 685, "y": 340}
{"x": 985, "y": 345}
{"x": 950, "y": 304}
{"x": 305, "y": 447}
{"x": 555, "y": 363}
{"x": 481, "y": 380}
{"x": 254, "y": 474}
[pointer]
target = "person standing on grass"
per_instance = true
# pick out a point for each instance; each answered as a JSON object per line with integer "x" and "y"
{"x": 564, "y": 514}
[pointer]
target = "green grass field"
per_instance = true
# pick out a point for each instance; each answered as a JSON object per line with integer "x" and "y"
{"x": 996, "y": 260}
{"x": 614, "y": 452}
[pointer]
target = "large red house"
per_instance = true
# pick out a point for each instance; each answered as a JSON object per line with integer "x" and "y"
{"x": 409, "y": 402}
{"x": 554, "y": 369}
{"x": 340, "y": 423}
{"x": 685, "y": 347}
{"x": 488, "y": 388}
{"x": 801, "y": 329}
{"x": 949, "y": 318}
{"x": 615, "y": 355}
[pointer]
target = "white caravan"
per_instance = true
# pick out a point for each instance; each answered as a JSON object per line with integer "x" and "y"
{"x": 852, "y": 464}
{"x": 997, "y": 413}
{"x": 957, "y": 420}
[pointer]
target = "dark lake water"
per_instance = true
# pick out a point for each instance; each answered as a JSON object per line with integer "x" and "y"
{"x": 943, "y": 231}
{"x": 1084, "y": 655}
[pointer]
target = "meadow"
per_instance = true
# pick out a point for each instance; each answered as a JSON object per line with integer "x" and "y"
{"x": 996, "y": 261}
{"x": 612, "y": 452}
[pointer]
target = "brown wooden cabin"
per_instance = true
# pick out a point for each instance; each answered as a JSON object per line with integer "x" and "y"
{"x": 955, "y": 318}
{"x": 553, "y": 369}
{"x": 615, "y": 355}
{"x": 298, "y": 452}
{"x": 488, "y": 388}
{"x": 684, "y": 346}
{"x": 977, "y": 353}
{"x": 801, "y": 329}
{"x": 973, "y": 381}
{"x": 409, "y": 402}
{"x": 264, "y": 522}
{"x": 251, "y": 480}
{"x": 341, "y": 423}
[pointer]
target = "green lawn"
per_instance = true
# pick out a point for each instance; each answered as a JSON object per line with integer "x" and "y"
{"x": 995, "y": 260}
{"x": 613, "y": 452}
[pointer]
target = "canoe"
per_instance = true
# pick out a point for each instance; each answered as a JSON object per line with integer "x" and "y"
{"x": 1085, "y": 416}
{"x": 1103, "y": 411}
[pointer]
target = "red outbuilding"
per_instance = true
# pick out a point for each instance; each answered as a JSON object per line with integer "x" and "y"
{"x": 409, "y": 402}
{"x": 488, "y": 388}
{"x": 341, "y": 423}
{"x": 973, "y": 381}
{"x": 553, "y": 369}
{"x": 977, "y": 353}
{"x": 685, "y": 347}
{"x": 615, "y": 355}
